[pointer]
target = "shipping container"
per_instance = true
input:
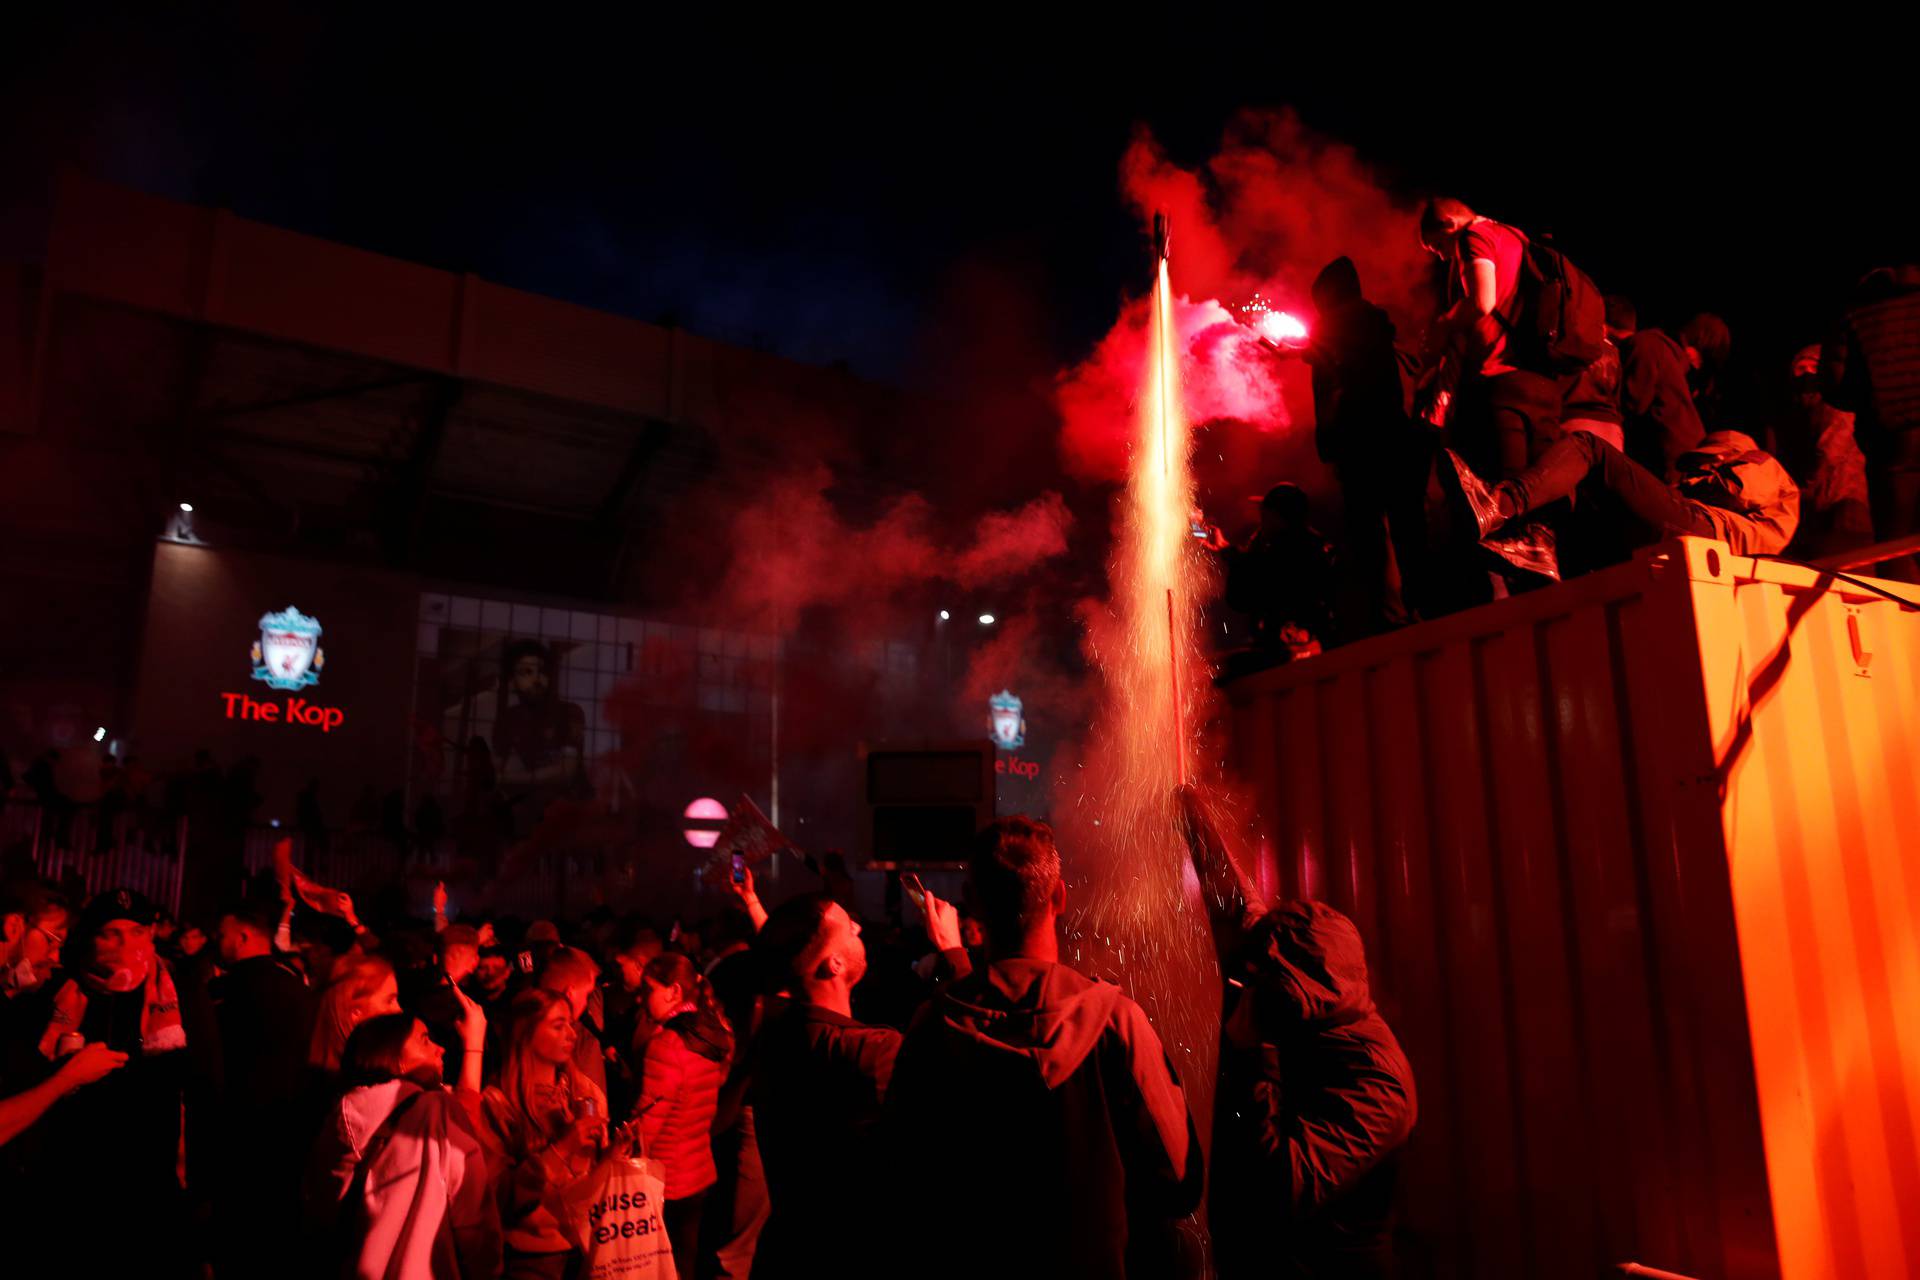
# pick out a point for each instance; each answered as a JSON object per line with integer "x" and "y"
{"x": 1637, "y": 857}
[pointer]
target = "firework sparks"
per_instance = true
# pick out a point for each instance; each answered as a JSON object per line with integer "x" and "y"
{"x": 1282, "y": 328}
{"x": 1142, "y": 925}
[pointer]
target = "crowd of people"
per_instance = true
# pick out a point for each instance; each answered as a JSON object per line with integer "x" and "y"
{"x": 286, "y": 1091}
{"x": 1542, "y": 431}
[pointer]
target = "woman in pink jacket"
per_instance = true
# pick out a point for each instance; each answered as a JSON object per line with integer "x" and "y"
{"x": 680, "y": 1078}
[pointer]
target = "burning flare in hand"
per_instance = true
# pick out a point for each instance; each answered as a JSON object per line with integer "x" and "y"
{"x": 1282, "y": 328}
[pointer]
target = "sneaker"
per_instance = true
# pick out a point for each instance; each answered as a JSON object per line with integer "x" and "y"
{"x": 1532, "y": 547}
{"x": 1474, "y": 495}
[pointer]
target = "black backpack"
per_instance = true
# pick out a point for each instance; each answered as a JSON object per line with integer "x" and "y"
{"x": 1561, "y": 317}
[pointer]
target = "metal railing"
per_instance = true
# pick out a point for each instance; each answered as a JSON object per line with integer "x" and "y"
{"x": 91, "y": 851}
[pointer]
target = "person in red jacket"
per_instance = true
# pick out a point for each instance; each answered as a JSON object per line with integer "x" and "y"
{"x": 680, "y": 1076}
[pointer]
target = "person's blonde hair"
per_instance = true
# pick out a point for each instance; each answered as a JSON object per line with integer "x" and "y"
{"x": 522, "y": 1080}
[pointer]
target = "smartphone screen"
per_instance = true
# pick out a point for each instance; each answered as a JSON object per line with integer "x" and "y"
{"x": 915, "y": 890}
{"x": 739, "y": 867}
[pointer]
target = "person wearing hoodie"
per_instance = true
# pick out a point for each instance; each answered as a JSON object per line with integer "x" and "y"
{"x": 399, "y": 1182}
{"x": 681, "y": 1071}
{"x": 1361, "y": 430}
{"x": 1315, "y": 1097}
{"x": 819, "y": 1080}
{"x": 1067, "y": 1128}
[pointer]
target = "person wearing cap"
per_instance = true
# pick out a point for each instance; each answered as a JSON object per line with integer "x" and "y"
{"x": 128, "y": 1124}
{"x": 1281, "y": 577}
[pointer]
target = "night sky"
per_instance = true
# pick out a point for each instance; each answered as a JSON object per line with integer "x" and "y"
{"x": 821, "y": 200}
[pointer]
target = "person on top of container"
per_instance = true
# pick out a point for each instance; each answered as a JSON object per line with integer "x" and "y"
{"x": 1728, "y": 489}
{"x": 1360, "y": 429}
{"x": 1503, "y": 413}
{"x": 1315, "y": 1097}
{"x": 1871, "y": 368}
{"x": 1658, "y": 419}
{"x": 1281, "y": 577}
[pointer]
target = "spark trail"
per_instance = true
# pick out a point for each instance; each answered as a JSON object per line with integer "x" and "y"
{"x": 1141, "y": 924}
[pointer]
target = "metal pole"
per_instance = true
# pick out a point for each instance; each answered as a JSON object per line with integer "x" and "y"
{"x": 1862, "y": 556}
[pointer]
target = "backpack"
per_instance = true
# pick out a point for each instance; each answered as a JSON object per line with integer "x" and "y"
{"x": 1728, "y": 470}
{"x": 1561, "y": 319}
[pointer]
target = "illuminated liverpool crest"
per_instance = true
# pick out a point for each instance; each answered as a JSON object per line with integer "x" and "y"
{"x": 1009, "y": 728}
{"x": 287, "y": 655}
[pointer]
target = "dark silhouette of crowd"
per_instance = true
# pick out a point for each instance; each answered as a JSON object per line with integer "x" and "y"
{"x": 1540, "y": 431}
{"x": 288, "y": 1091}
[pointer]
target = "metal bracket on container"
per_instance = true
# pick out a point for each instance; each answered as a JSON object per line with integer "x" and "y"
{"x": 1856, "y": 641}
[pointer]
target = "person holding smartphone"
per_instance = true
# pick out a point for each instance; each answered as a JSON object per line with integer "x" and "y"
{"x": 819, "y": 1079}
{"x": 547, "y": 1123}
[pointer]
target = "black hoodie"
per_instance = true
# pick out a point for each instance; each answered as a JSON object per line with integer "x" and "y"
{"x": 1316, "y": 1099}
{"x": 1038, "y": 1129}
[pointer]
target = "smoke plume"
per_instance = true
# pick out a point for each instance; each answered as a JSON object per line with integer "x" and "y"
{"x": 793, "y": 550}
{"x": 1260, "y": 218}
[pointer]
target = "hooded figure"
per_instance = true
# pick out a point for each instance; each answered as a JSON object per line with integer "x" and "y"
{"x": 1064, "y": 1146}
{"x": 1064, "y": 1116}
{"x": 1361, "y": 393}
{"x": 1316, "y": 1098}
{"x": 399, "y": 1174}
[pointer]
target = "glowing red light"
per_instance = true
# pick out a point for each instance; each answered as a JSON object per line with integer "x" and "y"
{"x": 708, "y": 814}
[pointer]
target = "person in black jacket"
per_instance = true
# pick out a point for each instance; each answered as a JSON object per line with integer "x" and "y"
{"x": 819, "y": 1078}
{"x": 1065, "y": 1123}
{"x": 1361, "y": 429}
{"x": 263, "y": 1013}
{"x": 1659, "y": 420}
{"x": 1281, "y": 578}
{"x": 1315, "y": 1097}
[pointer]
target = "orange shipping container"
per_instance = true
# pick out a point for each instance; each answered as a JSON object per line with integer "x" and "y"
{"x": 1638, "y": 862}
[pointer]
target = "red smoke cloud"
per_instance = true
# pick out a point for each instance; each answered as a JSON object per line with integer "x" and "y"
{"x": 1263, "y": 215}
{"x": 793, "y": 551}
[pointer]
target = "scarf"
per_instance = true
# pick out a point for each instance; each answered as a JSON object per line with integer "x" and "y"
{"x": 160, "y": 1028}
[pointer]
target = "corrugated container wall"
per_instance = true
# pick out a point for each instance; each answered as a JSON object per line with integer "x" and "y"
{"x": 1635, "y": 857}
